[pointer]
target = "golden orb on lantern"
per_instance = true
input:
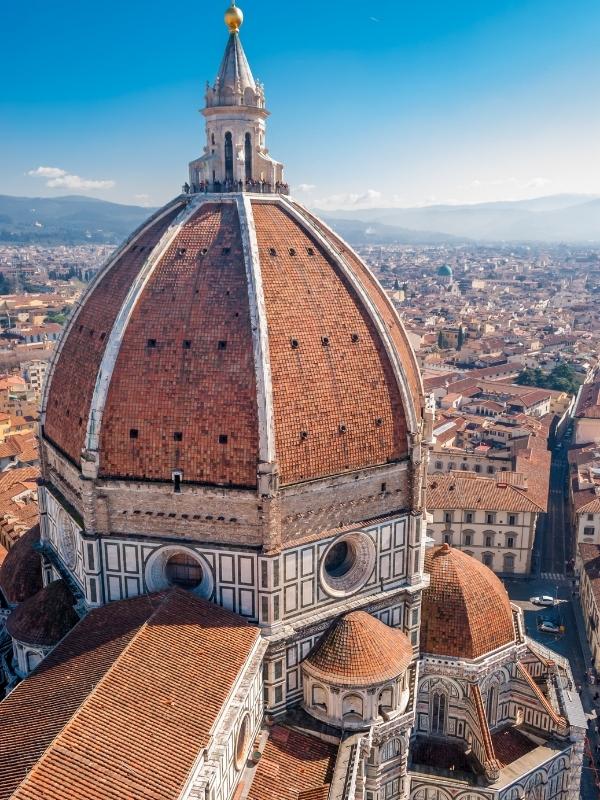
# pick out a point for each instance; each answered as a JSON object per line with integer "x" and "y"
{"x": 234, "y": 17}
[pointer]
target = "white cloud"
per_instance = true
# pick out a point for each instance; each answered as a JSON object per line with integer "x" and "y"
{"x": 61, "y": 179}
{"x": 47, "y": 172}
{"x": 369, "y": 199}
{"x": 374, "y": 19}
{"x": 143, "y": 199}
{"x": 305, "y": 187}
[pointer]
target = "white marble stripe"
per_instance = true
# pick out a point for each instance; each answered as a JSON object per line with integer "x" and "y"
{"x": 336, "y": 256}
{"x": 75, "y": 311}
{"x": 260, "y": 337}
{"x": 117, "y": 333}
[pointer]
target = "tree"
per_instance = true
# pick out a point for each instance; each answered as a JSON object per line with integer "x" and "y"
{"x": 562, "y": 378}
{"x": 4, "y": 284}
{"x": 460, "y": 340}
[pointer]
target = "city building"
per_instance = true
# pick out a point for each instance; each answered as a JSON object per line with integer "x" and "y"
{"x": 588, "y": 569}
{"x": 492, "y": 519}
{"x": 229, "y": 594}
{"x": 587, "y": 414}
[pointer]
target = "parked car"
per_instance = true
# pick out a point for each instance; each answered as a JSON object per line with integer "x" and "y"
{"x": 542, "y": 600}
{"x": 549, "y": 627}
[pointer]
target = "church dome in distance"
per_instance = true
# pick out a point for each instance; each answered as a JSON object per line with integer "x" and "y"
{"x": 466, "y": 610}
{"x": 445, "y": 271}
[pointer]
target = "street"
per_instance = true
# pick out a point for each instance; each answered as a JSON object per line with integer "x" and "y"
{"x": 552, "y": 551}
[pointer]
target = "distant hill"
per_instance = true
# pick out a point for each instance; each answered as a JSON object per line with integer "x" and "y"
{"x": 67, "y": 220}
{"x": 558, "y": 218}
{"x": 357, "y": 232}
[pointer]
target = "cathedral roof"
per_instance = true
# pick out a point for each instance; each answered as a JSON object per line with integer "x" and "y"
{"x": 293, "y": 765}
{"x": 359, "y": 650}
{"x": 126, "y": 701}
{"x": 43, "y": 620}
{"x": 466, "y": 612}
{"x": 21, "y": 571}
{"x": 258, "y": 337}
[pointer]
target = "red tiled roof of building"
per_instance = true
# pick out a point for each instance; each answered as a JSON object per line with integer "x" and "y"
{"x": 468, "y": 490}
{"x": 124, "y": 704}
{"x": 359, "y": 650}
{"x": 510, "y": 744}
{"x": 21, "y": 572}
{"x": 588, "y": 403}
{"x": 466, "y": 611}
{"x": 43, "y": 620}
{"x": 292, "y": 766}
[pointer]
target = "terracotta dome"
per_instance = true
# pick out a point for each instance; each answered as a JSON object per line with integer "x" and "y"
{"x": 21, "y": 571}
{"x": 44, "y": 619}
{"x": 466, "y": 611}
{"x": 259, "y": 336}
{"x": 359, "y": 650}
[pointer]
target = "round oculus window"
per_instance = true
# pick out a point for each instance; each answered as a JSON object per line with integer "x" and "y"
{"x": 241, "y": 743}
{"x": 347, "y": 564}
{"x": 183, "y": 570}
{"x": 67, "y": 541}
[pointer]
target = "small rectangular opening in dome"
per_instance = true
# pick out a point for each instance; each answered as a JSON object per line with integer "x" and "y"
{"x": 133, "y": 433}
{"x": 151, "y": 342}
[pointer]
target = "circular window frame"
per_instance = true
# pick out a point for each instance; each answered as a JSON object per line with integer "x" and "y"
{"x": 155, "y": 571}
{"x": 242, "y": 740}
{"x": 359, "y": 573}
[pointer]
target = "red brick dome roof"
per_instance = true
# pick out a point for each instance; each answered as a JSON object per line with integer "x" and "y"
{"x": 359, "y": 650}
{"x": 466, "y": 611}
{"x": 21, "y": 570}
{"x": 229, "y": 333}
{"x": 44, "y": 619}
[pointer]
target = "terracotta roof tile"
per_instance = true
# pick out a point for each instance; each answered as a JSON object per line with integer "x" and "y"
{"x": 321, "y": 388}
{"x": 43, "y": 620}
{"x": 122, "y": 706}
{"x": 359, "y": 650}
{"x": 74, "y": 378}
{"x": 196, "y": 299}
{"x": 21, "y": 572}
{"x": 466, "y": 611}
{"x": 292, "y": 765}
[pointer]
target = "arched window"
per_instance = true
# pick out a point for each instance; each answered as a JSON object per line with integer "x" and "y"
{"x": 509, "y": 563}
{"x": 391, "y": 749}
{"x": 248, "y": 156}
{"x": 319, "y": 698}
{"x": 33, "y": 659}
{"x": 352, "y": 706}
{"x": 488, "y": 560}
{"x": 228, "y": 157}
{"x": 492, "y": 705}
{"x": 439, "y": 704}
{"x": 386, "y": 697}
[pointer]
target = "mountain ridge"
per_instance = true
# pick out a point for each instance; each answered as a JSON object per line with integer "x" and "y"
{"x": 571, "y": 218}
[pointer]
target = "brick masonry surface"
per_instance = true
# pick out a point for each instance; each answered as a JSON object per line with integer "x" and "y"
{"x": 336, "y": 403}
{"x": 75, "y": 374}
{"x": 184, "y": 378}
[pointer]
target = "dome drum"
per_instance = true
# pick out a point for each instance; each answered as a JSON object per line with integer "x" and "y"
{"x": 358, "y": 673}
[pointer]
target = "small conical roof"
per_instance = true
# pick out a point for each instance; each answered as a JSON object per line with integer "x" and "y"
{"x": 359, "y": 650}
{"x": 234, "y": 73}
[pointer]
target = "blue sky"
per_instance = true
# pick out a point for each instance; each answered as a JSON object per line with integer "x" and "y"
{"x": 372, "y": 103}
